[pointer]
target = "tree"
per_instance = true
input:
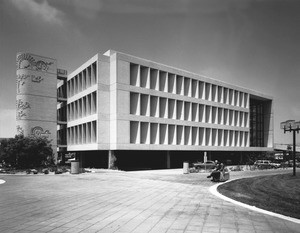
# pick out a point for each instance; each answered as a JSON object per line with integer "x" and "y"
{"x": 26, "y": 152}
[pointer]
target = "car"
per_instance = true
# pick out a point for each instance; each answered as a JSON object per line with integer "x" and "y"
{"x": 275, "y": 165}
{"x": 263, "y": 164}
{"x": 290, "y": 163}
{"x": 205, "y": 165}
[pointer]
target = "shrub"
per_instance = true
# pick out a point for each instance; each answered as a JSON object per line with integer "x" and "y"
{"x": 52, "y": 169}
{"x": 26, "y": 152}
{"x": 34, "y": 171}
{"x": 65, "y": 169}
{"x": 46, "y": 171}
{"x": 58, "y": 171}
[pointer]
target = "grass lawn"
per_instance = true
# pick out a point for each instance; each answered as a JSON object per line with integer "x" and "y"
{"x": 278, "y": 193}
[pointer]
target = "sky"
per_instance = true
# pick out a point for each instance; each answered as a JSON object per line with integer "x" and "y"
{"x": 248, "y": 43}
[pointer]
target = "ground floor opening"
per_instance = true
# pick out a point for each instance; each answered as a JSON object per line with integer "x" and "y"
{"x": 145, "y": 160}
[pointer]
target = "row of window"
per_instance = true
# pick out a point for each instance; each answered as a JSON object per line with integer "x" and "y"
{"x": 62, "y": 113}
{"x": 257, "y": 124}
{"x": 154, "y": 106}
{"x": 85, "y": 79}
{"x": 61, "y": 91}
{"x": 62, "y": 136}
{"x": 159, "y": 80}
{"x": 82, "y": 134}
{"x": 169, "y": 134}
{"x": 85, "y": 106}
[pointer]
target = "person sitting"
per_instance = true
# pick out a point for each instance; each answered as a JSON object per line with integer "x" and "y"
{"x": 216, "y": 173}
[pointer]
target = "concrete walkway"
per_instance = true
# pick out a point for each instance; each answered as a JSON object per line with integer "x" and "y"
{"x": 145, "y": 201}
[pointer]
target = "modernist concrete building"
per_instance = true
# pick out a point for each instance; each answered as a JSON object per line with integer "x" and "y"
{"x": 143, "y": 113}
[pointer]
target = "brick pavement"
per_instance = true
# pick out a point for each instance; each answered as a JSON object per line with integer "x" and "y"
{"x": 146, "y": 201}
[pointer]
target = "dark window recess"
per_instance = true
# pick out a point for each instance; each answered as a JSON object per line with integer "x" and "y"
{"x": 256, "y": 123}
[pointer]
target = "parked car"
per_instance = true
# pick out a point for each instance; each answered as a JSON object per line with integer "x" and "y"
{"x": 275, "y": 165}
{"x": 263, "y": 164}
{"x": 207, "y": 165}
{"x": 290, "y": 163}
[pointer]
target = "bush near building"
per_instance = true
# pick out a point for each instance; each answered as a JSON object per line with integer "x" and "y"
{"x": 26, "y": 152}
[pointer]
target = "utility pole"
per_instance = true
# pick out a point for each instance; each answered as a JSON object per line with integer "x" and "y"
{"x": 292, "y": 126}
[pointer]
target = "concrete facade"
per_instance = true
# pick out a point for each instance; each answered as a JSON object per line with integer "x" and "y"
{"x": 156, "y": 107}
{"x": 118, "y": 102}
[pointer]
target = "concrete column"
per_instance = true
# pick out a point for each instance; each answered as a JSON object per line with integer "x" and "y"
{"x": 168, "y": 160}
{"x": 81, "y": 161}
{"x": 111, "y": 159}
{"x": 241, "y": 158}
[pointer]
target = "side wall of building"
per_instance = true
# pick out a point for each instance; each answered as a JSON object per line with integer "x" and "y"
{"x": 269, "y": 124}
{"x": 104, "y": 103}
{"x": 88, "y": 106}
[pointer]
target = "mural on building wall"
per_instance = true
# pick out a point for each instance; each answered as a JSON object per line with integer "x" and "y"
{"x": 20, "y": 130}
{"x": 21, "y": 80}
{"x": 21, "y": 107}
{"x": 36, "y": 79}
{"x": 26, "y": 61}
{"x": 38, "y": 131}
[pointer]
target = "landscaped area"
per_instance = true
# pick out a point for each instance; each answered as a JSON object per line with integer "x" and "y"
{"x": 277, "y": 193}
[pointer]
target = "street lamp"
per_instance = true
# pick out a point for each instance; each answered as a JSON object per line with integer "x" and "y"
{"x": 292, "y": 126}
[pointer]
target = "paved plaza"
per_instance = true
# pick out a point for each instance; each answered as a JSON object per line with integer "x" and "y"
{"x": 143, "y": 201}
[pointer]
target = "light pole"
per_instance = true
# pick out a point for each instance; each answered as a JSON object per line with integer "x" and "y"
{"x": 292, "y": 126}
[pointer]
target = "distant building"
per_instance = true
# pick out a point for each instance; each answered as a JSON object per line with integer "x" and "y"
{"x": 285, "y": 147}
{"x": 142, "y": 113}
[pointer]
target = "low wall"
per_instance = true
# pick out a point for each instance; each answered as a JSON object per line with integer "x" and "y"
{"x": 241, "y": 167}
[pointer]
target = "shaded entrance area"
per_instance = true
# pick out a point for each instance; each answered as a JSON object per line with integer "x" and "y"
{"x": 141, "y": 160}
{"x": 147, "y": 160}
{"x": 93, "y": 159}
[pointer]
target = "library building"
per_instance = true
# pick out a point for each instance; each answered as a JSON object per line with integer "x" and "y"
{"x": 117, "y": 110}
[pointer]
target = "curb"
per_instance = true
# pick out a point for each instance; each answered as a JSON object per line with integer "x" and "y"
{"x": 213, "y": 190}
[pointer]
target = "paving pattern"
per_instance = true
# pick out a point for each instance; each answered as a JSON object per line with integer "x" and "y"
{"x": 145, "y": 201}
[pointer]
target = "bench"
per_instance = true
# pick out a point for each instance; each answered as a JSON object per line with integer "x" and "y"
{"x": 224, "y": 175}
